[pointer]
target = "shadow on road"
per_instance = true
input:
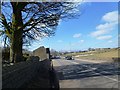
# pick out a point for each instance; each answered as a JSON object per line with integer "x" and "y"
{"x": 87, "y": 70}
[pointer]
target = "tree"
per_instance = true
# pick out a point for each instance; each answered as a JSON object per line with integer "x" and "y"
{"x": 54, "y": 52}
{"x": 23, "y": 22}
{"x": 91, "y": 49}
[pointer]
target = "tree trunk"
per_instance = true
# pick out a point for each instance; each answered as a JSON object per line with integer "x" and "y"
{"x": 16, "y": 47}
{"x": 11, "y": 53}
{"x": 16, "y": 40}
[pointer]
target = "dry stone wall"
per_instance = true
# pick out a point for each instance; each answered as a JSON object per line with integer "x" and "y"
{"x": 41, "y": 53}
{"x": 17, "y": 75}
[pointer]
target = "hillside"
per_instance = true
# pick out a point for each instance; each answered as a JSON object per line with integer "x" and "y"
{"x": 105, "y": 54}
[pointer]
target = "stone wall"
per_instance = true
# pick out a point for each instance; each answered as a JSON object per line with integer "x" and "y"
{"x": 17, "y": 75}
{"x": 41, "y": 52}
{"x": 0, "y": 68}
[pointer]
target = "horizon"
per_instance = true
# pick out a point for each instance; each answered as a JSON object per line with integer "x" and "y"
{"x": 67, "y": 50}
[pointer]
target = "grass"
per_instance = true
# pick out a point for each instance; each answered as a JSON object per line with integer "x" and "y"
{"x": 107, "y": 54}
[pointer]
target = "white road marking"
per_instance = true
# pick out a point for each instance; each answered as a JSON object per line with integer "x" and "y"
{"x": 73, "y": 75}
{"x": 104, "y": 76}
{"x": 67, "y": 62}
{"x": 73, "y": 62}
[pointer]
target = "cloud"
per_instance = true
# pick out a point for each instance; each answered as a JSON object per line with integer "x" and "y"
{"x": 104, "y": 37}
{"x": 59, "y": 41}
{"x": 111, "y": 20}
{"x": 99, "y": 32}
{"x": 106, "y": 26}
{"x": 77, "y": 35}
{"x": 81, "y": 41}
{"x": 59, "y": 22}
{"x": 111, "y": 17}
{"x": 40, "y": 36}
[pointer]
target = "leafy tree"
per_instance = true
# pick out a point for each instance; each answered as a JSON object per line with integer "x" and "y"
{"x": 23, "y": 22}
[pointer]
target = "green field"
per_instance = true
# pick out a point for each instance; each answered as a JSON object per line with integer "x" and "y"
{"x": 106, "y": 54}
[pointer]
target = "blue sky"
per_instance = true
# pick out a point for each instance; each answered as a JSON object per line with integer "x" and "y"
{"x": 97, "y": 27}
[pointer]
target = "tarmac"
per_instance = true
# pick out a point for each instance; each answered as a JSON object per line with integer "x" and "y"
{"x": 86, "y": 74}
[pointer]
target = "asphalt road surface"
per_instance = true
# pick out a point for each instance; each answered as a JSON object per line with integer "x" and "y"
{"x": 86, "y": 74}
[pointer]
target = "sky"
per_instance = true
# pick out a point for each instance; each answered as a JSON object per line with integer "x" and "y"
{"x": 96, "y": 27}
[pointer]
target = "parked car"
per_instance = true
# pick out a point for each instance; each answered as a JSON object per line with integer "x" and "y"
{"x": 69, "y": 58}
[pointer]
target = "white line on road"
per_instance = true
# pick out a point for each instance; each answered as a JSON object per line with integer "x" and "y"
{"x": 73, "y": 62}
{"x": 103, "y": 76}
{"x": 95, "y": 72}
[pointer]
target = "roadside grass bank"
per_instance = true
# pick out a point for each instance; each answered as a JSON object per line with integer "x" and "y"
{"x": 98, "y": 55}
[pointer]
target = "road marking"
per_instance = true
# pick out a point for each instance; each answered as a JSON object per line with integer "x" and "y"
{"x": 74, "y": 75}
{"x": 87, "y": 70}
{"x": 73, "y": 62}
{"x": 103, "y": 76}
{"x": 92, "y": 71}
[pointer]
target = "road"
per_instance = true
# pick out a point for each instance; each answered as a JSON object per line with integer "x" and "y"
{"x": 86, "y": 74}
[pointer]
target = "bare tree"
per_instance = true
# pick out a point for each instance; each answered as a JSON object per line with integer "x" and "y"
{"x": 23, "y": 22}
